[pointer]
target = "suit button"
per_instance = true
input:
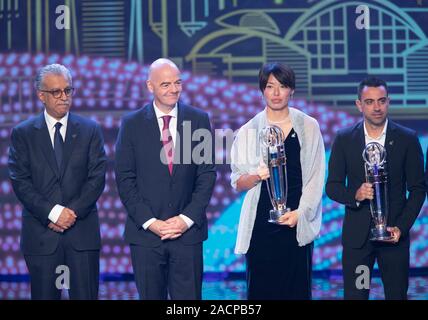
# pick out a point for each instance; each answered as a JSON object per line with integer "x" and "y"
{"x": 169, "y": 205}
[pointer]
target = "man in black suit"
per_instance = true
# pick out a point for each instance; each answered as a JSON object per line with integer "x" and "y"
{"x": 346, "y": 184}
{"x": 57, "y": 167}
{"x": 166, "y": 186}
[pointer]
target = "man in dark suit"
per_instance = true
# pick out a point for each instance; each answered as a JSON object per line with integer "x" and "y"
{"x": 57, "y": 167}
{"x": 346, "y": 184}
{"x": 166, "y": 184}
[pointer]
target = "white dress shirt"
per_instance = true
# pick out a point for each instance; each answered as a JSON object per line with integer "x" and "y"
{"x": 50, "y": 123}
{"x": 380, "y": 139}
{"x": 172, "y": 123}
{"x": 173, "y": 129}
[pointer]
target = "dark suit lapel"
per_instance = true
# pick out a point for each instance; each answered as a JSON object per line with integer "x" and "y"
{"x": 70, "y": 139}
{"x": 359, "y": 138}
{"x": 390, "y": 140}
{"x": 178, "y": 148}
{"x": 44, "y": 141}
{"x": 152, "y": 131}
{"x": 360, "y": 146}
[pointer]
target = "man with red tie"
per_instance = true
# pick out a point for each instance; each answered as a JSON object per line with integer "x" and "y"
{"x": 165, "y": 197}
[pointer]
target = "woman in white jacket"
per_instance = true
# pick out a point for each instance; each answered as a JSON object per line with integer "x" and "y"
{"x": 279, "y": 256}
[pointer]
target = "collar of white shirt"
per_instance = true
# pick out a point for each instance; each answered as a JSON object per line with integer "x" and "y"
{"x": 160, "y": 114}
{"x": 383, "y": 134}
{"x": 51, "y": 121}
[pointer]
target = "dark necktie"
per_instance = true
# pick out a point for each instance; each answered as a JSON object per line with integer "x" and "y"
{"x": 58, "y": 145}
{"x": 167, "y": 142}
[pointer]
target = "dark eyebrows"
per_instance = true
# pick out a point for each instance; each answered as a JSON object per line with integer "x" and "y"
{"x": 380, "y": 99}
{"x": 273, "y": 83}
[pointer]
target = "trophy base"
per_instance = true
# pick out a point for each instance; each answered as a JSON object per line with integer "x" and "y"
{"x": 380, "y": 235}
{"x": 274, "y": 215}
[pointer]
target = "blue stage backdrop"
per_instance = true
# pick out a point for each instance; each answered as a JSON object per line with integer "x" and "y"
{"x": 220, "y": 45}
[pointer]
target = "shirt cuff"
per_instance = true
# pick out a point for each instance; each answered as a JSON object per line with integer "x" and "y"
{"x": 187, "y": 220}
{"x": 55, "y": 213}
{"x": 147, "y": 224}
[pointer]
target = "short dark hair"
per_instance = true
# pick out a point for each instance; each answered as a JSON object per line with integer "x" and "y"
{"x": 283, "y": 73}
{"x": 371, "y": 82}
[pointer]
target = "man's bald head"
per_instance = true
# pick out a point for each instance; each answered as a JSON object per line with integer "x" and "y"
{"x": 160, "y": 64}
{"x": 165, "y": 83}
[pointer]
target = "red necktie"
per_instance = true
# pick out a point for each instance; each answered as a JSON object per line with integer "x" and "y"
{"x": 167, "y": 142}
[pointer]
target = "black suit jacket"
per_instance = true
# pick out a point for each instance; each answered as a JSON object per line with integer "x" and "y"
{"x": 405, "y": 173}
{"x": 39, "y": 184}
{"x": 145, "y": 186}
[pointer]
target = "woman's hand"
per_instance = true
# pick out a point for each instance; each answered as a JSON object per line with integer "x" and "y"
{"x": 248, "y": 181}
{"x": 263, "y": 171}
{"x": 289, "y": 219}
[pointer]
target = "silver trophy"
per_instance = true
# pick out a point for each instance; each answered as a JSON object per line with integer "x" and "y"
{"x": 272, "y": 141}
{"x": 374, "y": 156}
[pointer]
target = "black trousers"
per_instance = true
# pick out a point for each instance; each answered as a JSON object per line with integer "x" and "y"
{"x": 47, "y": 279}
{"x": 393, "y": 262}
{"x": 172, "y": 269}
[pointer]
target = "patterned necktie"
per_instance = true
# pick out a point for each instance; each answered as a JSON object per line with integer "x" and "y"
{"x": 58, "y": 145}
{"x": 167, "y": 142}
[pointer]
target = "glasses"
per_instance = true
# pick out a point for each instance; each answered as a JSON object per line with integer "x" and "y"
{"x": 58, "y": 92}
